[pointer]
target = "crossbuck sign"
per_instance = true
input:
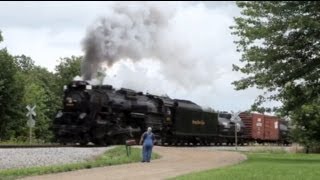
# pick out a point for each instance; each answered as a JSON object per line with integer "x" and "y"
{"x": 31, "y": 113}
{"x": 235, "y": 116}
{"x": 31, "y": 122}
{"x": 236, "y": 119}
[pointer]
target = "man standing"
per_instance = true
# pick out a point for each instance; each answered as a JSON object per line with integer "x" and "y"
{"x": 147, "y": 139}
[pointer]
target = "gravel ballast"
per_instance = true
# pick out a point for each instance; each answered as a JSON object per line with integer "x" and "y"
{"x": 25, "y": 157}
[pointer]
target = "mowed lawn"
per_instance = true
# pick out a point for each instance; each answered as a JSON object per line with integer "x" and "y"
{"x": 266, "y": 166}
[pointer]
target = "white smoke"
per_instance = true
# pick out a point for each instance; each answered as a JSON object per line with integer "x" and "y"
{"x": 145, "y": 31}
{"x": 78, "y": 78}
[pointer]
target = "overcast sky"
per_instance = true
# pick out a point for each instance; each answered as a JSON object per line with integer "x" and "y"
{"x": 46, "y": 31}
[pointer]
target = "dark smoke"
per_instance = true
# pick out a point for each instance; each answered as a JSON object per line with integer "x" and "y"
{"x": 130, "y": 31}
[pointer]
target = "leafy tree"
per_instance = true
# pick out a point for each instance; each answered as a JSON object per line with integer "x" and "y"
{"x": 23, "y": 83}
{"x": 38, "y": 85}
{"x": 24, "y": 63}
{"x": 36, "y": 95}
{"x": 68, "y": 68}
{"x": 44, "y": 89}
{"x": 10, "y": 95}
{"x": 280, "y": 42}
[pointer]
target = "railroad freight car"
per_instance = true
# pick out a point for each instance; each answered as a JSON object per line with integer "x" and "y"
{"x": 264, "y": 128}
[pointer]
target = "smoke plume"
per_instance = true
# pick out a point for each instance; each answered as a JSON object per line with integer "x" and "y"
{"x": 127, "y": 32}
{"x": 185, "y": 51}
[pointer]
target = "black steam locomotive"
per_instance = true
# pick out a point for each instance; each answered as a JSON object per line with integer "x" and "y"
{"x": 103, "y": 115}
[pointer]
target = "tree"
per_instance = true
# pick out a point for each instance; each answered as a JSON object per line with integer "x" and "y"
{"x": 68, "y": 68}
{"x": 36, "y": 95}
{"x": 23, "y": 83}
{"x": 280, "y": 42}
{"x": 39, "y": 85}
{"x": 24, "y": 63}
{"x": 10, "y": 95}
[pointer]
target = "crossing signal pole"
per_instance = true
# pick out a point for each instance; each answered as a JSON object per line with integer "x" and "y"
{"x": 236, "y": 120}
{"x": 31, "y": 122}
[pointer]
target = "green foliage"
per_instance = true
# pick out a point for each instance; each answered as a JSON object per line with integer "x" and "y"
{"x": 279, "y": 41}
{"x": 10, "y": 95}
{"x": 112, "y": 157}
{"x": 66, "y": 70}
{"x": 24, "y": 83}
{"x": 266, "y": 166}
{"x": 35, "y": 95}
{"x": 38, "y": 84}
{"x": 24, "y": 63}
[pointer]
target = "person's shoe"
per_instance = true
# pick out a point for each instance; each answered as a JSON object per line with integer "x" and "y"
{"x": 142, "y": 161}
{"x": 148, "y": 161}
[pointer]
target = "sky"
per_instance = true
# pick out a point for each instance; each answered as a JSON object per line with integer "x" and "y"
{"x": 47, "y": 31}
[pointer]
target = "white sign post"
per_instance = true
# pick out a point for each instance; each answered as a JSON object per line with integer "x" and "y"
{"x": 236, "y": 120}
{"x": 31, "y": 122}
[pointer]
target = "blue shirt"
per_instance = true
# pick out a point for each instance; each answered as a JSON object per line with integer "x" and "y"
{"x": 148, "y": 139}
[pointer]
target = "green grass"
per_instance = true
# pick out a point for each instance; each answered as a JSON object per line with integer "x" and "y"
{"x": 271, "y": 166}
{"x": 114, "y": 156}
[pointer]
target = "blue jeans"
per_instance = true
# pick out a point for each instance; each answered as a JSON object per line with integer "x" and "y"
{"x": 146, "y": 152}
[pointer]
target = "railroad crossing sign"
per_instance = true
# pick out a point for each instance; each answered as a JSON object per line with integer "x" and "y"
{"x": 236, "y": 119}
{"x": 31, "y": 113}
{"x": 235, "y": 116}
{"x": 31, "y": 122}
{"x": 238, "y": 127}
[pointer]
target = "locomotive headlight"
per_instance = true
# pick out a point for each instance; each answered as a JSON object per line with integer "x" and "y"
{"x": 89, "y": 87}
{"x": 225, "y": 124}
{"x": 59, "y": 115}
{"x": 82, "y": 115}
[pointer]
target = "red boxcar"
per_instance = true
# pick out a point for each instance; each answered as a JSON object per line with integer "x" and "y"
{"x": 260, "y": 127}
{"x": 271, "y": 128}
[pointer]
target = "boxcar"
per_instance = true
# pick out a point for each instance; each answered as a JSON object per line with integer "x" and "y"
{"x": 260, "y": 128}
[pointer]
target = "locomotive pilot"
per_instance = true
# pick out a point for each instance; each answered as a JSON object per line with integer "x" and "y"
{"x": 148, "y": 140}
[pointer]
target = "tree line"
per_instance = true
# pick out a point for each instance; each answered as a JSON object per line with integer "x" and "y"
{"x": 23, "y": 83}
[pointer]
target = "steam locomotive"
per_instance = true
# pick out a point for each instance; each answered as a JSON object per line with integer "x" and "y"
{"x": 103, "y": 115}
